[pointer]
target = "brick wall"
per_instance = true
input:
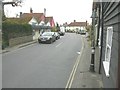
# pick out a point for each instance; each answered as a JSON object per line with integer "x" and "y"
{"x": 20, "y": 40}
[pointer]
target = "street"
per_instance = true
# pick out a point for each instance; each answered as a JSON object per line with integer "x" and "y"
{"x": 41, "y": 65}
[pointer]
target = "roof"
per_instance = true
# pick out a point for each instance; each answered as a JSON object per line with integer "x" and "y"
{"x": 29, "y": 16}
{"x": 48, "y": 19}
{"x": 51, "y": 20}
{"x": 77, "y": 24}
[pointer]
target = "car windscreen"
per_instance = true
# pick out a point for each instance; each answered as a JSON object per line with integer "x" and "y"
{"x": 47, "y": 34}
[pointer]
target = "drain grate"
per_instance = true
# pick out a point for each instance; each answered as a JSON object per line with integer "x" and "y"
{"x": 83, "y": 71}
{"x": 83, "y": 85}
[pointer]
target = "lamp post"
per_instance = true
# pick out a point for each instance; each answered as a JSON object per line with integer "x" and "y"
{"x": 92, "y": 68}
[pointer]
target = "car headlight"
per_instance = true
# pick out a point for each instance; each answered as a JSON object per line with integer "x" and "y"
{"x": 48, "y": 38}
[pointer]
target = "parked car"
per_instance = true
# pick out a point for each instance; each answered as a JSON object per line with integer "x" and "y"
{"x": 82, "y": 32}
{"x": 47, "y": 37}
{"x": 62, "y": 31}
{"x": 57, "y": 35}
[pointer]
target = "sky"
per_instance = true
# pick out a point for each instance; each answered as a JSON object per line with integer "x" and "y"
{"x": 61, "y": 10}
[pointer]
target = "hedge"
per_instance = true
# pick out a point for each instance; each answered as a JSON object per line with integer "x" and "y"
{"x": 13, "y": 30}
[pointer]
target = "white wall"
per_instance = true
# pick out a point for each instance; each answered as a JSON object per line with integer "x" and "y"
{"x": 36, "y": 34}
{"x": 33, "y": 21}
{"x": 75, "y": 28}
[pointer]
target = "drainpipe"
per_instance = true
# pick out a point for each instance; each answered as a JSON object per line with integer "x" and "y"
{"x": 98, "y": 27}
{"x": 119, "y": 56}
{"x": 102, "y": 28}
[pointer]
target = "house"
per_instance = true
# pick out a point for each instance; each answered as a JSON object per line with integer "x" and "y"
{"x": 39, "y": 22}
{"x": 108, "y": 34}
{"x": 49, "y": 21}
{"x": 33, "y": 19}
{"x": 74, "y": 26}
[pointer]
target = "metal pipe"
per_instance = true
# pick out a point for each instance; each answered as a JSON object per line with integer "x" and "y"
{"x": 102, "y": 28}
{"x": 93, "y": 43}
{"x": 98, "y": 27}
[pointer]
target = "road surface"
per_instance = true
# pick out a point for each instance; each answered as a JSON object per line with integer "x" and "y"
{"x": 41, "y": 65}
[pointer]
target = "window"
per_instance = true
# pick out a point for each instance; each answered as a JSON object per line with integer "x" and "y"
{"x": 106, "y": 63}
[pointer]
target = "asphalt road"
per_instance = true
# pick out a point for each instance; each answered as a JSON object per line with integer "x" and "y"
{"x": 41, "y": 65}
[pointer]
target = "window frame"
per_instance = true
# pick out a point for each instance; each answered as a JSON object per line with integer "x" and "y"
{"x": 106, "y": 62}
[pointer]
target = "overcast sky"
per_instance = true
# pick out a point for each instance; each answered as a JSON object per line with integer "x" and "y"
{"x": 61, "y": 10}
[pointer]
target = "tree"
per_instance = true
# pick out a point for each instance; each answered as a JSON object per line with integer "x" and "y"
{"x": 13, "y": 3}
{"x": 57, "y": 27}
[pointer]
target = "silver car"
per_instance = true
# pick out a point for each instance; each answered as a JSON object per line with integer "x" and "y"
{"x": 47, "y": 37}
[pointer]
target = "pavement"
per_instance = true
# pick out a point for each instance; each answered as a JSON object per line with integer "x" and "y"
{"x": 8, "y": 49}
{"x": 84, "y": 78}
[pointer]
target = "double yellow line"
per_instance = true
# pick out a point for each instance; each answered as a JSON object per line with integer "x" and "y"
{"x": 72, "y": 75}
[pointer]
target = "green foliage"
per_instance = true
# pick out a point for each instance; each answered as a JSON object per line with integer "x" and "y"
{"x": 13, "y": 30}
{"x": 58, "y": 27}
{"x": 54, "y": 29}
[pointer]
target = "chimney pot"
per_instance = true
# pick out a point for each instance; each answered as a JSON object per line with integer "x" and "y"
{"x": 31, "y": 11}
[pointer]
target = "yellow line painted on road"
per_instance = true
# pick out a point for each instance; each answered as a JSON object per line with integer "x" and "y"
{"x": 72, "y": 75}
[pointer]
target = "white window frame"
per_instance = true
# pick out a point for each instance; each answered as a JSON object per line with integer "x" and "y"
{"x": 106, "y": 62}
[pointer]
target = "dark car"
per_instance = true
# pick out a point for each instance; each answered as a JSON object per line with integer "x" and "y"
{"x": 82, "y": 32}
{"x": 47, "y": 37}
{"x": 61, "y": 33}
{"x": 57, "y": 35}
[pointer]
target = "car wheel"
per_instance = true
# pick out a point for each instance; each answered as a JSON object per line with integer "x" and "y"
{"x": 50, "y": 41}
{"x": 39, "y": 41}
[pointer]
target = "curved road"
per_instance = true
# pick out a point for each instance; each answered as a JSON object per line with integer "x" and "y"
{"x": 41, "y": 65}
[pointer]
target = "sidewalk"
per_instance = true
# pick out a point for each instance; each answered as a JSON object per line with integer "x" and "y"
{"x": 18, "y": 46}
{"x": 83, "y": 77}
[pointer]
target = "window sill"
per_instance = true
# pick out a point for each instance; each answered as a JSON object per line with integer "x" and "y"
{"x": 106, "y": 68}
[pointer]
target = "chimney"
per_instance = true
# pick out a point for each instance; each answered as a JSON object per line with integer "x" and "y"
{"x": 86, "y": 22}
{"x": 20, "y": 14}
{"x": 31, "y": 11}
{"x": 44, "y": 11}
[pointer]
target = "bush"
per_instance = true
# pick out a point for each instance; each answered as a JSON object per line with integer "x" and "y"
{"x": 54, "y": 29}
{"x": 13, "y": 30}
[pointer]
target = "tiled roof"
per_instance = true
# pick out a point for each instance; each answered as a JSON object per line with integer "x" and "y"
{"x": 48, "y": 19}
{"x": 51, "y": 20}
{"x": 29, "y": 16}
{"x": 77, "y": 24}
